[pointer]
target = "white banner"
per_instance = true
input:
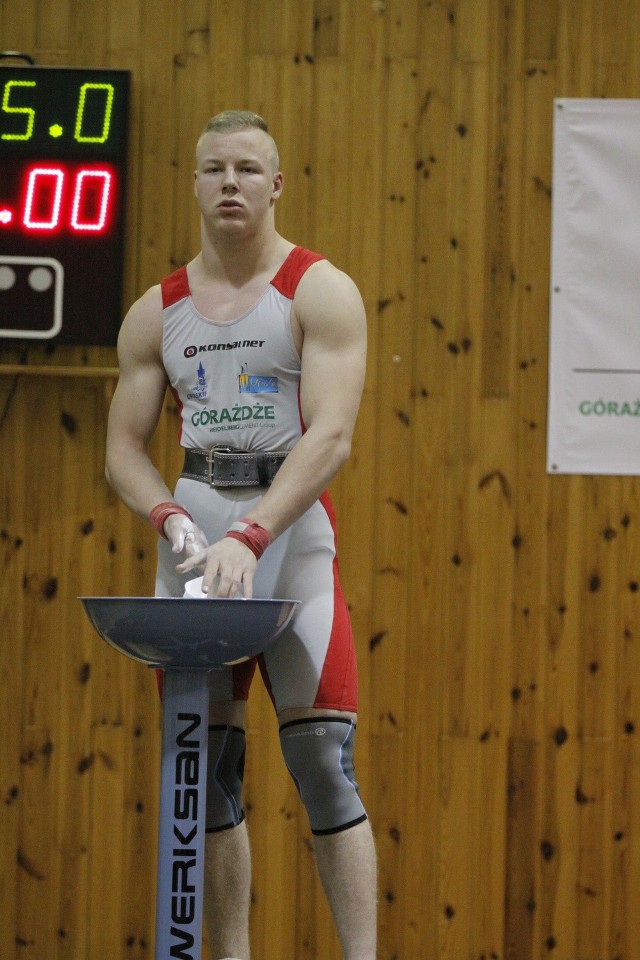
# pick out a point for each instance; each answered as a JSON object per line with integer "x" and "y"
{"x": 594, "y": 353}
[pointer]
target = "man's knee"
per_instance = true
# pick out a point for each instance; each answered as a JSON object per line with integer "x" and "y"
{"x": 318, "y": 752}
{"x": 225, "y": 776}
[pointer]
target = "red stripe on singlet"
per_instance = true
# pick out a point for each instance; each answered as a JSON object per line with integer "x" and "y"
{"x": 338, "y": 688}
{"x": 292, "y": 270}
{"x": 175, "y": 287}
{"x": 176, "y": 397}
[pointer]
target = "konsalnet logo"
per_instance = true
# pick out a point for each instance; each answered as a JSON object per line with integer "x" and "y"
{"x": 193, "y": 351}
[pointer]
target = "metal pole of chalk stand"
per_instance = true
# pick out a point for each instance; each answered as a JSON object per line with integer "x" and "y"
{"x": 183, "y": 797}
{"x": 186, "y": 638}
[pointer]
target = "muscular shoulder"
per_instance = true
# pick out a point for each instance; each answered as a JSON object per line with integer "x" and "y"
{"x": 327, "y": 295}
{"x": 140, "y": 337}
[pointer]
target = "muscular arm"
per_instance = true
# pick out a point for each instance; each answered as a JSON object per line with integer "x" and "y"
{"x": 331, "y": 319}
{"x": 331, "y": 316}
{"x": 136, "y": 407}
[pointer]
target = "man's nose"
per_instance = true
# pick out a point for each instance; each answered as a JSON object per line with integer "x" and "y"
{"x": 230, "y": 180}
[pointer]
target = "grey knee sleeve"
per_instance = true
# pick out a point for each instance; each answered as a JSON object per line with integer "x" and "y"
{"x": 225, "y": 774}
{"x": 319, "y": 756}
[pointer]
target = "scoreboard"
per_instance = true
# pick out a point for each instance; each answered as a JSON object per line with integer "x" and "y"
{"x": 63, "y": 146}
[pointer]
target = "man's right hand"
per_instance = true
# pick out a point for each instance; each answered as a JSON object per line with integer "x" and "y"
{"x": 184, "y": 536}
{"x": 228, "y": 566}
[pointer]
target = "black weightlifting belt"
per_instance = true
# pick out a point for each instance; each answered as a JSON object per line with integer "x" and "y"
{"x": 225, "y": 467}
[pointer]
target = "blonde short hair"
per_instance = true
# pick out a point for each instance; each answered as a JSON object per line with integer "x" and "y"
{"x": 231, "y": 121}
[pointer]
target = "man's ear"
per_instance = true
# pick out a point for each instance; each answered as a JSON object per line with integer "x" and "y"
{"x": 278, "y": 184}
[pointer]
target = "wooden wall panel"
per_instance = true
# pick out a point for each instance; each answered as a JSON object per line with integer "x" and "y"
{"x": 495, "y": 608}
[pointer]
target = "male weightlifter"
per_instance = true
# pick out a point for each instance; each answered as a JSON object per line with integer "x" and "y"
{"x": 263, "y": 345}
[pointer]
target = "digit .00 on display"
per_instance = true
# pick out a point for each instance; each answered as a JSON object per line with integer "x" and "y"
{"x": 54, "y": 198}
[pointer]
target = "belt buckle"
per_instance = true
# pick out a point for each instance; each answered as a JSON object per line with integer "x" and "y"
{"x": 211, "y": 458}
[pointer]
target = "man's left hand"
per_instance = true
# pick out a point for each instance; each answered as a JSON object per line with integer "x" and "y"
{"x": 229, "y": 568}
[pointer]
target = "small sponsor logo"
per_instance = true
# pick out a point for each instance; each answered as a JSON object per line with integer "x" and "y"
{"x": 192, "y": 350}
{"x": 316, "y": 732}
{"x": 237, "y": 414}
{"x": 609, "y": 408}
{"x": 252, "y": 383}
{"x": 200, "y": 391}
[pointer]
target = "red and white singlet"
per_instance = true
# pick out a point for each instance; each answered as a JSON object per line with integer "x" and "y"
{"x": 237, "y": 385}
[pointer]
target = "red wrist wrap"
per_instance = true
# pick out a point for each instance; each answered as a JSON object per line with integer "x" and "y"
{"x": 161, "y": 511}
{"x": 255, "y": 537}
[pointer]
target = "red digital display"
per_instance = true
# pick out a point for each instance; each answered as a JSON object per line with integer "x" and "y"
{"x": 62, "y": 180}
{"x": 67, "y": 197}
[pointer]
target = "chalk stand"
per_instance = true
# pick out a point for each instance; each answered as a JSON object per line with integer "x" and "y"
{"x": 186, "y": 638}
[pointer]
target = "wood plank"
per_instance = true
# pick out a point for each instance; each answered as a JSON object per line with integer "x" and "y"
{"x": 88, "y": 35}
{"x": 19, "y": 25}
{"x": 13, "y": 532}
{"x": 521, "y": 864}
{"x": 456, "y": 778}
{"x": 492, "y": 502}
{"x": 611, "y": 32}
{"x": 502, "y": 225}
{"x": 598, "y": 614}
{"x": 412, "y": 822}
{"x": 38, "y": 840}
{"x": 436, "y": 177}
{"x": 264, "y": 33}
{"x": 388, "y": 748}
{"x": 625, "y": 865}
{"x": 539, "y": 526}
{"x": 473, "y": 28}
{"x": 331, "y": 119}
{"x": 107, "y": 882}
{"x": 632, "y": 65}
{"x": 191, "y": 80}
{"x": 541, "y": 30}
{"x": 81, "y": 469}
{"x": 227, "y": 88}
{"x": 38, "y": 849}
{"x": 327, "y": 28}
{"x": 292, "y": 123}
{"x": 154, "y": 173}
{"x": 596, "y": 833}
{"x": 393, "y": 457}
{"x": 401, "y": 21}
{"x": 575, "y": 40}
{"x": 488, "y": 844}
{"x": 53, "y": 31}
{"x": 124, "y": 25}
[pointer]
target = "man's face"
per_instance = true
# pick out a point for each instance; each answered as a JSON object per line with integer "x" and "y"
{"x": 235, "y": 181}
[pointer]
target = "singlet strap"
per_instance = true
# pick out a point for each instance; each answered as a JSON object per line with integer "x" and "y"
{"x": 293, "y": 269}
{"x": 175, "y": 287}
